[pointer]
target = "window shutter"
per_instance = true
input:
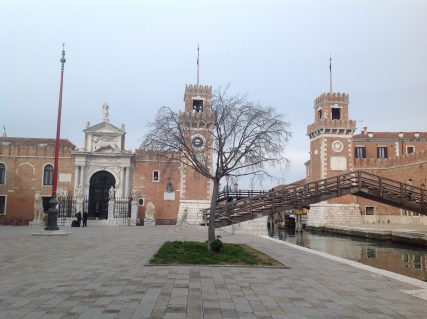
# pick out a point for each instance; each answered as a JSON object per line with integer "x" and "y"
{"x": 378, "y": 152}
{"x": 355, "y": 152}
{"x": 364, "y": 152}
{"x": 385, "y": 152}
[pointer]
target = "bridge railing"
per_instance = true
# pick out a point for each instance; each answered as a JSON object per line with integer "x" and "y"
{"x": 379, "y": 186}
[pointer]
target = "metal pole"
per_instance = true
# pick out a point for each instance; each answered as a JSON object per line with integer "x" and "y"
{"x": 52, "y": 213}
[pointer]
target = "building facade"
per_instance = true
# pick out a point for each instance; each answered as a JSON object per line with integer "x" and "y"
{"x": 335, "y": 149}
{"x": 26, "y": 168}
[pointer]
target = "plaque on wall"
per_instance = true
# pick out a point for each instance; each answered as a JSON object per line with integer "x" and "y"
{"x": 65, "y": 177}
{"x": 338, "y": 163}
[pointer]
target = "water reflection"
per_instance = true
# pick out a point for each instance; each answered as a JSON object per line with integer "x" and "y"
{"x": 402, "y": 259}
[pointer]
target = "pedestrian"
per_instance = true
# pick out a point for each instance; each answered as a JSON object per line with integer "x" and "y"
{"x": 79, "y": 218}
{"x": 84, "y": 219}
{"x": 409, "y": 188}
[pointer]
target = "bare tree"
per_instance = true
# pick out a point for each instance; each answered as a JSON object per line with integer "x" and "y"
{"x": 245, "y": 138}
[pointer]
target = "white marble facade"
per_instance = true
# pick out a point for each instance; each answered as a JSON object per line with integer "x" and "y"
{"x": 103, "y": 151}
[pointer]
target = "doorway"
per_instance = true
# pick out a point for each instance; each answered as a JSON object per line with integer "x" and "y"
{"x": 100, "y": 183}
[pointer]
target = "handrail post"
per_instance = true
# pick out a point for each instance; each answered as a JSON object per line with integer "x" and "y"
{"x": 250, "y": 209}
{"x": 338, "y": 186}
{"x": 401, "y": 192}
{"x": 380, "y": 181}
{"x": 317, "y": 191}
{"x": 359, "y": 180}
{"x": 272, "y": 207}
{"x": 422, "y": 199}
{"x": 295, "y": 197}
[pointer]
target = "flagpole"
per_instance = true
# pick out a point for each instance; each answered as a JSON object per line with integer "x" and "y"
{"x": 330, "y": 73}
{"x": 52, "y": 213}
{"x": 197, "y": 65}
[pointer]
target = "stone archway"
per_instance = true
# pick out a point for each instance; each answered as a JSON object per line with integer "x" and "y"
{"x": 100, "y": 183}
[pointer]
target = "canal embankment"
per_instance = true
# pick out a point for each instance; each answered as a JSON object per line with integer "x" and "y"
{"x": 408, "y": 234}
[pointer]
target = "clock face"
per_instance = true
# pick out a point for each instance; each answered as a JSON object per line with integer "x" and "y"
{"x": 198, "y": 141}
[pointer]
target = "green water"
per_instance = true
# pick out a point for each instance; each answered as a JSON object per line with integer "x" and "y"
{"x": 398, "y": 258}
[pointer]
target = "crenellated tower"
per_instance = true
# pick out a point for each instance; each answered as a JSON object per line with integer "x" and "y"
{"x": 198, "y": 122}
{"x": 331, "y": 146}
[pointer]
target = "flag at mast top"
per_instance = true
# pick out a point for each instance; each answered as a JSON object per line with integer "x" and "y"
{"x": 330, "y": 72}
{"x": 197, "y": 64}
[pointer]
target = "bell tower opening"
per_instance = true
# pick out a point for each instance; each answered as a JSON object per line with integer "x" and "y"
{"x": 100, "y": 183}
{"x": 336, "y": 113}
{"x": 198, "y": 105}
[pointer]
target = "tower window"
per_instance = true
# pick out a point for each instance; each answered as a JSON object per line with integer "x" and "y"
{"x": 336, "y": 113}
{"x": 2, "y": 173}
{"x": 320, "y": 114}
{"x": 198, "y": 105}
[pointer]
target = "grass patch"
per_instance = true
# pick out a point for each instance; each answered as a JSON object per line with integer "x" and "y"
{"x": 195, "y": 253}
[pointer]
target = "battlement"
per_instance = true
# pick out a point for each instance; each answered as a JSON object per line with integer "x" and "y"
{"x": 402, "y": 160}
{"x": 330, "y": 124}
{"x": 198, "y": 89}
{"x": 202, "y": 116}
{"x": 334, "y": 97}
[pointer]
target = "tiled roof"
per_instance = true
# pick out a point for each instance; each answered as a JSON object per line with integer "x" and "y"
{"x": 391, "y": 135}
{"x": 30, "y": 141}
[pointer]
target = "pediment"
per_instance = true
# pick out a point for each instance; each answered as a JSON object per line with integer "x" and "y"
{"x": 104, "y": 127}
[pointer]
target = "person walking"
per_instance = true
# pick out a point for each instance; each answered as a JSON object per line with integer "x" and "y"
{"x": 79, "y": 218}
{"x": 84, "y": 219}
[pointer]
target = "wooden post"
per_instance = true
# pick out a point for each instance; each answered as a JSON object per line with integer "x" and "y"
{"x": 317, "y": 191}
{"x": 380, "y": 181}
{"x": 338, "y": 186}
{"x": 401, "y": 192}
{"x": 359, "y": 180}
{"x": 422, "y": 199}
{"x": 250, "y": 209}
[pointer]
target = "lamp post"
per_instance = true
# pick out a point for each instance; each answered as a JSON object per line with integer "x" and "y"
{"x": 227, "y": 177}
{"x": 52, "y": 213}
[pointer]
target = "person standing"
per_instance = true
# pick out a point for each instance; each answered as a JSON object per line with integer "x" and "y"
{"x": 84, "y": 219}
{"x": 79, "y": 218}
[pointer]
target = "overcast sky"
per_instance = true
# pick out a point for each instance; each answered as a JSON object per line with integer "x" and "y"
{"x": 139, "y": 55}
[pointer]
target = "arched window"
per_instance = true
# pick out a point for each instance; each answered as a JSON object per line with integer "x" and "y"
{"x": 2, "y": 173}
{"x": 48, "y": 175}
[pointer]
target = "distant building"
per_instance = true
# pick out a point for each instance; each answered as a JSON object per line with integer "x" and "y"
{"x": 26, "y": 168}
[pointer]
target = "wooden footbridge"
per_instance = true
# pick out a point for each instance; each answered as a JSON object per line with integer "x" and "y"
{"x": 254, "y": 204}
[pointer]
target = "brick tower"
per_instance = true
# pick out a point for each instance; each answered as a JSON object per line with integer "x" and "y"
{"x": 331, "y": 154}
{"x": 196, "y": 190}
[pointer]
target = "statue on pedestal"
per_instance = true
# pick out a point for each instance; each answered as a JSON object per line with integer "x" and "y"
{"x": 79, "y": 193}
{"x": 169, "y": 187}
{"x": 111, "y": 194}
{"x": 105, "y": 112}
{"x": 59, "y": 194}
{"x": 149, "y": 212}
{"x": 38, "y": 208}
{"x": 65, "y": 193}
{"x": 134, "y": 195}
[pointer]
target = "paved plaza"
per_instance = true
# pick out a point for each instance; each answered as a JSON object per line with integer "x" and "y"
{"x": 100, "y": 272}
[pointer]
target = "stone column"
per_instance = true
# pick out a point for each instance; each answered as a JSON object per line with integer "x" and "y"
{"x": 82, "y": 178}
{"x": 122, "y": 181}
{"x": 76, "y": 178}
{"x": 127, "y": 182}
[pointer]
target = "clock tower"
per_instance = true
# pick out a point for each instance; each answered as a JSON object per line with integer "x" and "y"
{"x": 196, "y": 190}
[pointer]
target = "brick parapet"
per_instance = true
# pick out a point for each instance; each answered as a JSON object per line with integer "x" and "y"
{"x": 330, "y": 124}
{"x": 402, "y": 160}
{"x": 331, "y": 98}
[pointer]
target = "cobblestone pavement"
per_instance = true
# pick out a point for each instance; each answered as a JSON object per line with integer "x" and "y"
{"x": 100, "y": 272}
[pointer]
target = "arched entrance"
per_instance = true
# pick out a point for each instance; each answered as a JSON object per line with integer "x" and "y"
{"x": 100, "y": 183}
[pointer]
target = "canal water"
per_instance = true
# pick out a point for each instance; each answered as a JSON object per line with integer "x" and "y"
{"x": 401, "y": 259}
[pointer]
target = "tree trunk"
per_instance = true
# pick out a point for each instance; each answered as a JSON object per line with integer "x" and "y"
{"x": 211, "y": 229}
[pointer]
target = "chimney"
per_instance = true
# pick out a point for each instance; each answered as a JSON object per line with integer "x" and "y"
{"x": 400, "y": 134}
{"x": 365, "y": 130}
{"x": 417, "y": 135}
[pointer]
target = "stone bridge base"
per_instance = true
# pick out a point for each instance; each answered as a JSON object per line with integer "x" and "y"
{"x": 257, "y": 226}
{"x": 324, "y": 213}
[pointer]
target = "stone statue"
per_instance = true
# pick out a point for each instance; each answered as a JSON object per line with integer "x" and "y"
{"x": 149, "y": 211}
{"x": 79, "y": 192}
{"x": 105, "y": 112}
{"x": 65, "y": 193}
{"x": 184, "y": 214}
{"x": 123, "y": 127}
{"x": 60, "y": 194}
{"x": 38, "y": 208}
{"x": 169, "y": 187}
{"x": 134, "y": 194}
{"x": 87, "y": 124}
{"x": 101, "y": 142}
{"x": 111, "y": 194}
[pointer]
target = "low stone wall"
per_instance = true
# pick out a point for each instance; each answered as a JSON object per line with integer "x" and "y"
{"x": 395, "y": 219}
{"x": 193, "y": 210}
{"x": 257, "y": 226}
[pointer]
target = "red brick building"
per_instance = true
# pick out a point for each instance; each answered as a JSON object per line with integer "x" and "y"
{"x": 26, "y": 168}
{"x": 335, "y": 149}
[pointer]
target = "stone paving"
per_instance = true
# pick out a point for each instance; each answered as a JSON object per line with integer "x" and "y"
{"x": 100, "y": 272}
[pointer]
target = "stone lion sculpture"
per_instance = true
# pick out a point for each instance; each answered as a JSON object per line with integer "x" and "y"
{"x": 100, "y": 143}
{"x": 149, "y": 211}
{"x": 185, "y": 214}
{"x": 38, "y": 208}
